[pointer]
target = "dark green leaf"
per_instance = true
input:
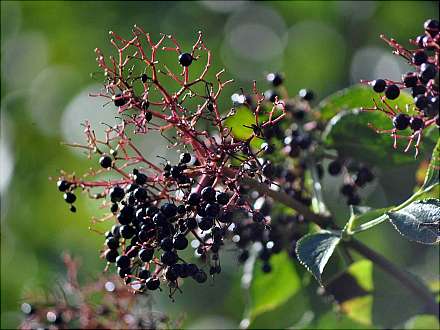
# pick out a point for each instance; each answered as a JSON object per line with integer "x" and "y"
{"x": 423, "y": 321}
{"x": 355, "y": 97}
{"x": 314, "y": 251}
{"x": 418, "y": 221}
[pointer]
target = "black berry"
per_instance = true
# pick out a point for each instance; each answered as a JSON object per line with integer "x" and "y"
{"x": 392, "y": 92}
{"x": 105, "y": 161}
{"x": 401, "y": 121}
{"x": 69, "y": 197}
{"x": 379, "y": 85}
{"x": 275, "y": 79}
{"x": 416, "y": 123}
{"x": 185, "y": 59}
{"x": 63, "y": 185}
{"x": 419, "y": 57}
{"x": 335, "y": 167}
{"x": 306, "y": 94}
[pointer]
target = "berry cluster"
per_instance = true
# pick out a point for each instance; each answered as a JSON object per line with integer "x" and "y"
{"x": 355, "y": 176}
{"x": 157, "y": 209}
{"x": 423, "y": 83}
{"x": 77, "y": 307}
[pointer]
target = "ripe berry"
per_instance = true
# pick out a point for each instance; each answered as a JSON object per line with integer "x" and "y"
{"x": 169, "y": 210}
{"x": 116, "y": 194}
{"x": 206, "y": 223}
{"x": 140, "y": 194}
{"x": 168, "y": 258}
{"x": 208, "y": 194}
{"x": 428, "y": 71}
{"x": 268, "y": 170}
{"x": 185, "y": 59}
{"x": 112, "y": 243}
{"x": 144, "y": 274}
{"x": 419, "y": 57}
{"x": 212, "y": 209}
{"x": 275, "y": 79}
{"x": 152, "y": 283}
{"x": 270, "y": 95}
{"x": 127, "y": 231}
{"x": 111, "y": 255}
{"x": 401, "y": 121}
{"x": 126, "y": 215}
{"x": 347, "y": 189}
{"x": 63, "y": 185}
{"x": 421, "y": 101}
{"x": 180, "y": 242}
{"x": 418, "y": 90}
{"x": 416, "y": 123}
{"x": 432, "y": 26}
{"x": 166, "y": 244}
{"x": 185, "y": 158}
{"x": 119, "y": 100}
{"x": 69, "y": 197}
{"x": 306, "y": 94}
{"x": 105, "y": 161}
{"x": 171, "y": 274}
{"x": 140, "y": 178}
{"x": 222, "y": 198}
{"x": 123, "y": 261}
{"x": 146, "y": 255}
{"x": 191, "y": 223}
{"x": 410, "y": 79}
{"x": 379, "y": 85}
{"x": 392, "y": 92}
{"x": 335, "y": 167}
{"x": 433, "y": 107}
{"x": 200, "y": 276}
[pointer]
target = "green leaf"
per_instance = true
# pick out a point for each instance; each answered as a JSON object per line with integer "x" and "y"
{"x": 425, "y": 322}
{"x": 349, "y": 133}
{"x": 419, "y": 221}
{"x": 243, "y": 117}
{"x": 355, "y": 97}
{"x": 363, "y": 272}
{"x": 314, "y": 251}
{"x": 269, "y": 290}
{"x": 432, "y": 174}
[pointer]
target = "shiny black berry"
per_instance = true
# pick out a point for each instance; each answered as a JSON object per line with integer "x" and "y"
{"x": 206, "y": 223}
{"x": 401, "y": 121}
{"x": 418, "y": 90}
{"x": 275, "y": 79}
{"x": 69, "y": 197}
{"x": 392, "y": 92}
{"x": 416, "y": 123}
{"x": 212, "y": 209}
{"x": 194, "y": 198}
{"x": 63, "y": 185}
{"x": 119, "y": 100}
{"x": 123, "y": 261}
{"x": 421, "y": 101}
{"x": 347, "y": 189}
{"x": 208, "y": 194}
{"x": 166, "y": 244}
{"x": 127, "y": 231}
{"x": 168, "y": 258}
{"x": 222, "y": 198}
{"x": 111, "y": 255}
{"x": 105, "y": 161}
{"x": 116, "y": 194}
{"x": 335, "y": 167}
{"x": 270, "y": 95}
{"x": 152, "y": 283}
{"x": 379, "y": 85}
{"x": 146, "y": 255}
{"x": 180, "y": 242}
{"x": 185, "y": 59}
{"x": 306, "y": 94}
{"x": 185, "y": 158}
{"x": 410, "y": 79}
{"x": 428, "y": 71}
{"x": 112, "y": 243}
{"x": 419, "y": 57}
{"x": 144, "y": 274}
{"x": 257, "y": 216}
{"x": 140, "y": 178}
{"x": 169, "y": 210}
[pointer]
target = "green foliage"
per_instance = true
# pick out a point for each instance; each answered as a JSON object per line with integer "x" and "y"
{"x": 355, "y": 97}
{"x": 432, "y": 174}
{"x": 419, "y": 221}
{"x": 315, "y": 250}
{"x": 269, "y": 291}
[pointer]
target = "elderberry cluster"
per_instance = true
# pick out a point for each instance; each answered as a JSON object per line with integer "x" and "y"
{"x": 422, "y": 83}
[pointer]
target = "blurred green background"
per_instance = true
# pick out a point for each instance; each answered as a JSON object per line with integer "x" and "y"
{"x": 46, "y": 60}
